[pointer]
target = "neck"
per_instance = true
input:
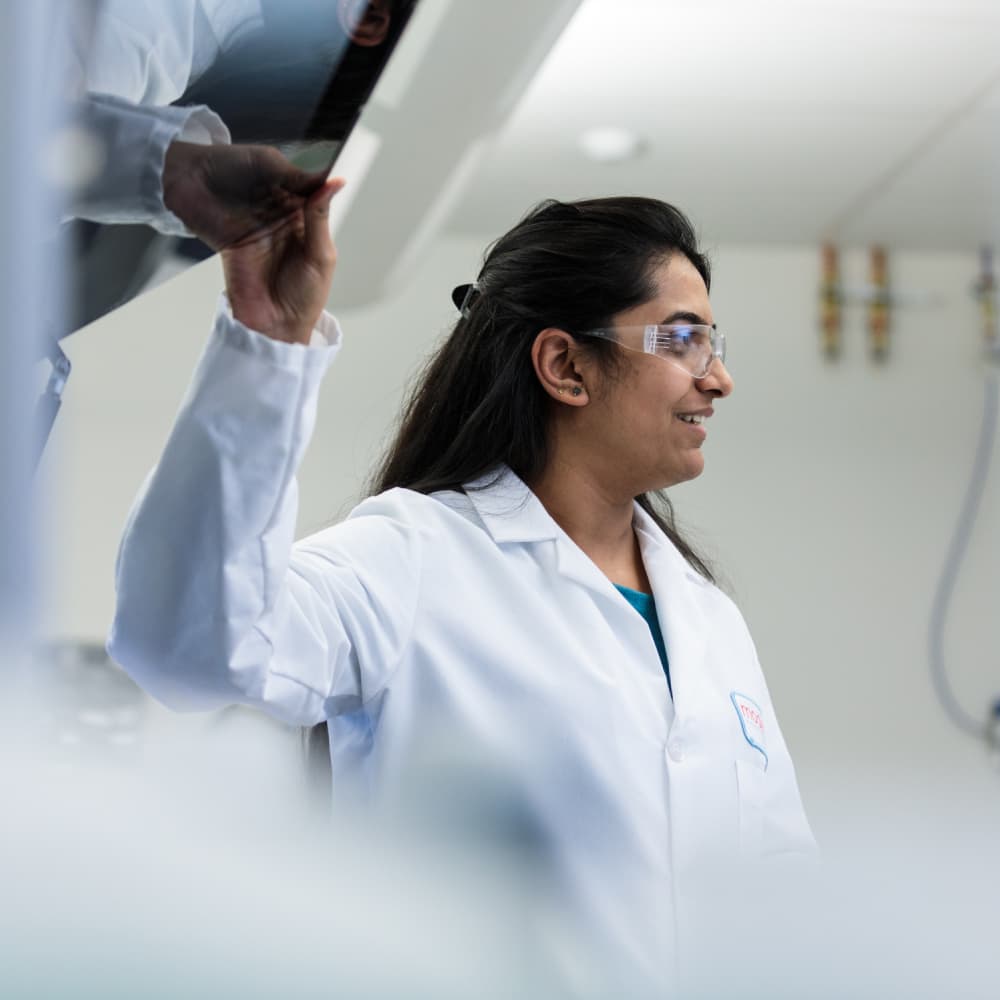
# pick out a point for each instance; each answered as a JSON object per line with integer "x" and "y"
{"x": 596, "y": 518}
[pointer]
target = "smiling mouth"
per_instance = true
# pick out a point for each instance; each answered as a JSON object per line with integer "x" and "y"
{"x": 690, "y": 418}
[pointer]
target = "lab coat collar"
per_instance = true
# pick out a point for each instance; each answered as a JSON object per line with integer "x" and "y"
{"x": 510, "y": 511}
{"x": 513, "y": 514}
{"x": 657, "y": 548}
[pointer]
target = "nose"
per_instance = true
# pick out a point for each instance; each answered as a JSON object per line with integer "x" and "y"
{"x": 716, "y": 380}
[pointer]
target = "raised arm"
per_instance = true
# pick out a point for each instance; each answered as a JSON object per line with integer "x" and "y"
{"x": 213, "y": 606}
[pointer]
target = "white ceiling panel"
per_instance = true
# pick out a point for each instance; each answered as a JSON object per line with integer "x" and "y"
{"x": 923, "y": 8}
{"x": 765, "y": 121}
{"x": 744, "y": 175}
{"x": 762, "y": 52}
{"x": 949, "y": 199}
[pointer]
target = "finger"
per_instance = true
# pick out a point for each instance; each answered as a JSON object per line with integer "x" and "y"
{"x": 318, "y": 241}
{"x": 330, "y": 188}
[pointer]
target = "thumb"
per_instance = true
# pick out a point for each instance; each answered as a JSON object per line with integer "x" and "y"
{"x": 318, "y": 241}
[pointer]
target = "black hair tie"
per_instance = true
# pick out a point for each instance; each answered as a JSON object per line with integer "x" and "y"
{"x": 462, "y": 296}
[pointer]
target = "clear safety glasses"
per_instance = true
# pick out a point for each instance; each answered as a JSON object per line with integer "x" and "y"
{"x": 689, "y": 346}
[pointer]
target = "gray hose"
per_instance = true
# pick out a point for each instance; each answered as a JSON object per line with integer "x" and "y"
{"x": 952, "y": 565}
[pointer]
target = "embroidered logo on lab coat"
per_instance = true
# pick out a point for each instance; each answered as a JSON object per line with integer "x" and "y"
{"x": 751, "y": 721}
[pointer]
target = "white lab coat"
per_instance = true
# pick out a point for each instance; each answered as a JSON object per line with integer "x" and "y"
{"x": 473, "y": 617}
{"x": 150, "y": 51}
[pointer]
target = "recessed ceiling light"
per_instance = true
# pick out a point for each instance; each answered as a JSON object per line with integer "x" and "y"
{"x": 611, "y": 144}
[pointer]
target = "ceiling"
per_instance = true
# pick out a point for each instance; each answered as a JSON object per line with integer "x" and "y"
{"x": 778, "y": 121}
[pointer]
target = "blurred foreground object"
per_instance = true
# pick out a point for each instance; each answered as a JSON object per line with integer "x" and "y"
{"x": 180, "y": 874}
{"x": 90, "y": 702}
{"x": 29, "y": 276}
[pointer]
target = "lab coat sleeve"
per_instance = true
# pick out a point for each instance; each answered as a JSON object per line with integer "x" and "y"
{"x": 129, "y": 143}
{"x": 214, "y": 606}
{"x": 149, "y": 52}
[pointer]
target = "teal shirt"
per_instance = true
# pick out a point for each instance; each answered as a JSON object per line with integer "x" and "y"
{"x": 646, "y": 606}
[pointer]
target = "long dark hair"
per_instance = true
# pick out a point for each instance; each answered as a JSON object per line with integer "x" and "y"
{"x": 477, "y": 404}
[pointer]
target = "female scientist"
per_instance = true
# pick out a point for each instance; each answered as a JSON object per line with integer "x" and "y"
{"x": 514, "y": 588}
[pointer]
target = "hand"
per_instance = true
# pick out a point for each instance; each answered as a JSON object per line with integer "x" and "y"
{"x": 227, "y": 194}
{"x": 278, "y": 280}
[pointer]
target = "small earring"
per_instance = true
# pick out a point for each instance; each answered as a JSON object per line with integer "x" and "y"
{"x": 577, "y": 391}
{"x": 562, "y": 392}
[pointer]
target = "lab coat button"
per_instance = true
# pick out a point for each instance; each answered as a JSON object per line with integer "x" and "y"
{"x": 676, "y": 751}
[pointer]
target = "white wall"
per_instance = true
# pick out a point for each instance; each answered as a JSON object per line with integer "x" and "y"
{"x": 830, "y": 493}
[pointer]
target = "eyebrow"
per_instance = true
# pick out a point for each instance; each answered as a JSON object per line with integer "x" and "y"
{"x": 681, "y": 316}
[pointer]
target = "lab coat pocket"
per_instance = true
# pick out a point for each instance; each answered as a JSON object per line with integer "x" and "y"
{"x": 751, "y": 783}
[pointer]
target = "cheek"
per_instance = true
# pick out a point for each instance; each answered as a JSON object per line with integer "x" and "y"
{"x": 645, "y": 400}
{"x": 665, "y": 395}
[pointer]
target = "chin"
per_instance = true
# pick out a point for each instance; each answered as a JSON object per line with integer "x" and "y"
{"x": 684, "y": 467}
{"x": 684, "y": 473}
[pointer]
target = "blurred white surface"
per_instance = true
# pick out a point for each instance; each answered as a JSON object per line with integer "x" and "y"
{"x": 29, "y": 275}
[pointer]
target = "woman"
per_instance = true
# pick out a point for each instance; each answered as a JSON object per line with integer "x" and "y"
{"x": 514, "y": 586}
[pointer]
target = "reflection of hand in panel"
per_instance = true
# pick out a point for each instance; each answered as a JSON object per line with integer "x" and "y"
{"x": 228, "y": 194}
{"x": 278, "y": 281}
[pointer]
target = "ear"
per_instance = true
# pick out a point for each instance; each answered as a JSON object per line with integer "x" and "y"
{"x": 560, "y": 366}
